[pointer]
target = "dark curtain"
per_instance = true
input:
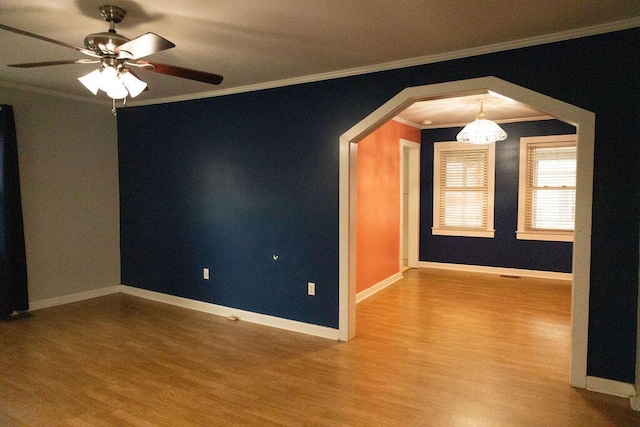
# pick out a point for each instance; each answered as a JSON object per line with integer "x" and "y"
{"x": 13, "y": 263}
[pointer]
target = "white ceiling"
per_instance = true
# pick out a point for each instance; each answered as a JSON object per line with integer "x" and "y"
{"x": 458, "y": 111}
{"x": 267, "y": 43}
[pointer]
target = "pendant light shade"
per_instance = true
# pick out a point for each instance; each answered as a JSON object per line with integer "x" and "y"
{"x": 481, "y": 131}
{"x": 92, "y": 81}
{"x": 134, "y": 85}
{"x": 117, "y": 90}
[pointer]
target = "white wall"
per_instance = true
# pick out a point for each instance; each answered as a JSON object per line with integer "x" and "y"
{"x": 68, "y": 159}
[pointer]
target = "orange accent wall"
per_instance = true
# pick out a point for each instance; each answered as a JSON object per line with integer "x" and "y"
{"x": 378, "y": 203}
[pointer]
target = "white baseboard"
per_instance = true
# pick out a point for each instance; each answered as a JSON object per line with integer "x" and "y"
{"x": 261, "y": 319}
{"x": 498, "y": 270}
{"x": 67, "y": 299}
{"x": 360, "y": 296}
{"x": 614, "y": 388}
{"x": 635, "y": 402}
{"x": 247, "y": 316}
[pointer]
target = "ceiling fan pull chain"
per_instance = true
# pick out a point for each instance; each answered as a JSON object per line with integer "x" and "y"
{"x": 113, "y": 109}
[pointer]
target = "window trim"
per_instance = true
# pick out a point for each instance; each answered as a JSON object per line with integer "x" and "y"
{"x": 543, "y": 235}
{"x": 488, "y": 231}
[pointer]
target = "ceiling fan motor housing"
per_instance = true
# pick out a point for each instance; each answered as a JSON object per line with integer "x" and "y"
{"x": 106, "y": 42}
{"x": 97, "y": 42}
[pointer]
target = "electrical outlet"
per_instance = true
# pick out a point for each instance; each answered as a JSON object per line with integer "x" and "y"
{"x": 205, "y": 274}
{"x": 311, "y": 288}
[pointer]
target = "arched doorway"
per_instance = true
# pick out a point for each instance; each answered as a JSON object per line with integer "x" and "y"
{"x": 583, "y": 120}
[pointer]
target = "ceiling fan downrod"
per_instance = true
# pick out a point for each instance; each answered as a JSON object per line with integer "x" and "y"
{"x": 113, "y": 15}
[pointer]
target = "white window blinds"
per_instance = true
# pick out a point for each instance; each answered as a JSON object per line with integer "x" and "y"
{"x": 463, "y": 190}
{"x": 551, "y": 188}
{"x": 547, "y": 190}
{"x": 463, "y": 195}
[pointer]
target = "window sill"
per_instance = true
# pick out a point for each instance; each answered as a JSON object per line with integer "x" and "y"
{"x": 462, "y": 232}
{"x": 546, "y": 236}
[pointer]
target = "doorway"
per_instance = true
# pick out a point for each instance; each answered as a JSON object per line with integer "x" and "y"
{"x": 409, "y": 204}
{"x": 585, "y": 127}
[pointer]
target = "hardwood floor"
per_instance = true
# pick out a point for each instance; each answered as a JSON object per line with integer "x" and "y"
{"x": 436, "y": 349}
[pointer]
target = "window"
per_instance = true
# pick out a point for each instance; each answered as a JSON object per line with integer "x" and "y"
{"x": 547, "y": 191}
{"x": 463, "y": 189}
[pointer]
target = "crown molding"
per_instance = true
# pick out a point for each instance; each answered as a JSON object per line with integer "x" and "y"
{"x": 502, "y": 121}
{"x": 408, "y": 123}
{"x": 410, "y": 62}
{"x": 386, "y": 66}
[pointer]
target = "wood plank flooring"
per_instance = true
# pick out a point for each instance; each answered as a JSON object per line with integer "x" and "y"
{"x": 436, "y": 349}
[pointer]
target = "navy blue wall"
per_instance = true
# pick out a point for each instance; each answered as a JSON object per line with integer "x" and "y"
{"x": 227, "y": 182}
{"x": 504, "y": 250}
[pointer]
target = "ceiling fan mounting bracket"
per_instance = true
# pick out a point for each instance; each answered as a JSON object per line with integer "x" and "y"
{"x": 112, "y": 14}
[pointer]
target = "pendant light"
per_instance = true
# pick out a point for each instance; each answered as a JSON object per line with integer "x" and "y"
{"x": 481, "y": 131}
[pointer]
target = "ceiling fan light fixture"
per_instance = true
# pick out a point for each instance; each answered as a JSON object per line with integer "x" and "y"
{"x": 108, "y": 78}
{"x": 115, "y": 53}
{"x": 481, "y": 131}
{"x": 116, "y": 84}
{"x": 134, "y": 85}
{"x": 92, "y": 81}
{"x": 117, "y": 90}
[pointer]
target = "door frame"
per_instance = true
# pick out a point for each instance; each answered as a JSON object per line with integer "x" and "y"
{"x": 583, "y": 120}
{"x": 412, "y": 168}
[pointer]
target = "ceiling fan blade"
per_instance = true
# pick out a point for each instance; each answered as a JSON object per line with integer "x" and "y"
{"x": 49, "y": 63}
{"x": 142, "y": 46}
{"x": 185, "y": 73}
{"x": 47, "y": 39}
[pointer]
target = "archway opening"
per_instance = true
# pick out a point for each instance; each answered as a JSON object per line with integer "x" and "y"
{"x": 583, "y": 120}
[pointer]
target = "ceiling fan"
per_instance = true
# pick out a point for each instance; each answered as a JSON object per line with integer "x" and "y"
{"x": 117, "y": 55}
